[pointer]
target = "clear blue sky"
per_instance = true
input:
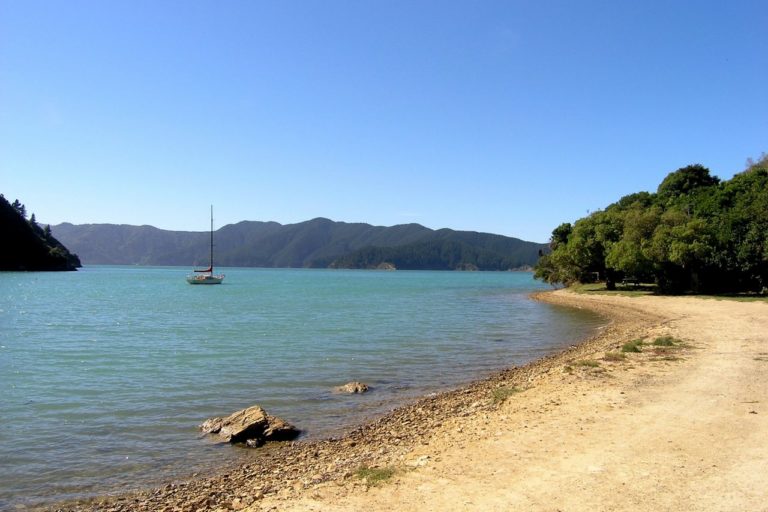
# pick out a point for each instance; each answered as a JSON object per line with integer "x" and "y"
{"x": 507, "y": 116}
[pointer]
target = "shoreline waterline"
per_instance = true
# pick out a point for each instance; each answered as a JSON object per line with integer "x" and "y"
{"x": 120, "y": 364}
{"x": 290, "y": 468}
{"x": 677, "y": 423}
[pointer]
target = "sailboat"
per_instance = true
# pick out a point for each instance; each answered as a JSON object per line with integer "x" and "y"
{"x": 206, "y": 276}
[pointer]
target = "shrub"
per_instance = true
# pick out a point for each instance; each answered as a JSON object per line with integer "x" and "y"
{"x": 500, "y": 395}
{"x": 590, "y": 363}
{"x": 614, "y": 356}
{"x": 375, "y": 476}
{"x": 632, "y": 346}
{"x": 665, "y": 341}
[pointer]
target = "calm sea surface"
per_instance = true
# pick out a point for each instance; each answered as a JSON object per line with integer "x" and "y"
{"x": 106, "y": 372}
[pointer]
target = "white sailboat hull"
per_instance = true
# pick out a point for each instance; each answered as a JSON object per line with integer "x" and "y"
{"x": 205, "y": 279}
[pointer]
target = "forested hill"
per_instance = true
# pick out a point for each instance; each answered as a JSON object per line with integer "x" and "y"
{"x": 695, "y": 233}
{"x": 318, "y": 243}
{"x": 27, "y": 246}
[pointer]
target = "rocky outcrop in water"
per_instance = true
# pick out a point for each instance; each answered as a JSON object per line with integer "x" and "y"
{"x": 252, "y": 426}
{"x": 353, "y": 387}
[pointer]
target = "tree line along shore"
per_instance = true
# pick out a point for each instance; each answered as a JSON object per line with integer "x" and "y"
{"x": 696, "y": 233}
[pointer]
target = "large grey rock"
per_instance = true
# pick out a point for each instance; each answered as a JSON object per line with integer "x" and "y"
{"x": 252, "y": 426}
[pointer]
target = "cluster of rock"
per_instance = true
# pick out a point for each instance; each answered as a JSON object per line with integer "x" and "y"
{"x": 252, "y": 426}
{"x": 353, "y": 387}
{"x": 288, "y": 469}
{"x": 291, "y": 468}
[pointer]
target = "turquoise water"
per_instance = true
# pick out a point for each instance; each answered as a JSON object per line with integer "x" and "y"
{"x": 106, "y": 372}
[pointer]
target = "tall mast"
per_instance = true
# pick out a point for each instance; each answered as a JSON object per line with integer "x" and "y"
{"x": 211, "y": 238}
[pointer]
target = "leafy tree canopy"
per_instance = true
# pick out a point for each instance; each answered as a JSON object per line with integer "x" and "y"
{"x": 686, "y": 180}
{"x": 696, "y": 233}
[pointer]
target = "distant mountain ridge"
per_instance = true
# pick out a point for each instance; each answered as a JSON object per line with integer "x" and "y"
{"x": 317, "y": 243}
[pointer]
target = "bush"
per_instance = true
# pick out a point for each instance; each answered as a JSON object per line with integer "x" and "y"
{"x": 614, "y": 356}
{"x": 665, "y": 341}
{"x": 375, "y": 476}
{"x": 500, "y": 395}
{"x": 632, "y": 346}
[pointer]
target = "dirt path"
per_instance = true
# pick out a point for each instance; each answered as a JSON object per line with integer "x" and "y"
{"x": 678, "y": 428}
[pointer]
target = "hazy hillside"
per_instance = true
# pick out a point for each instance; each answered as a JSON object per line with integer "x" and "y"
{"x": 315, "y": 243}
{"x": 448, "y": 250}
{"x": 112, "y": 244}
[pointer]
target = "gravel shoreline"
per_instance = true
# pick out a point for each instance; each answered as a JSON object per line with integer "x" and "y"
{"x": 287, "y": 470}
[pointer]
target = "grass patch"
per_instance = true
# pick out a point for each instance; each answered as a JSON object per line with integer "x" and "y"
{"x": 666, "y": 341}
{"x": 737, "y": 297}
{"x": 632, "y": 346}
{"x": 599, "y": 288}
{"x": 614, "y": 357}
{"x": 500, "y": 395}
{"x": 588, "y": 363}
{"x": 375, "y": 476}
{"x": 588, "y": 287}
{"x": 568, "y": 368}
{"x": 651, "y": 289}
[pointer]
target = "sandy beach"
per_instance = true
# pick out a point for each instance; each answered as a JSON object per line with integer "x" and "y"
{"x": 680, "y": 427}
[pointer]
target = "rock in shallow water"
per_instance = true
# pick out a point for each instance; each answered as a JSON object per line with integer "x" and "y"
{"x": 353, "y": 387}
{"x": 252, "y": 426}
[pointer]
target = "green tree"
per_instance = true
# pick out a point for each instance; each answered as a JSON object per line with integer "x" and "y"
{"x": 560, "y": 235}
{"x": 20, "y": 208}
{"x": 685, "y": 181}
{"x": 696, "y": 233}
